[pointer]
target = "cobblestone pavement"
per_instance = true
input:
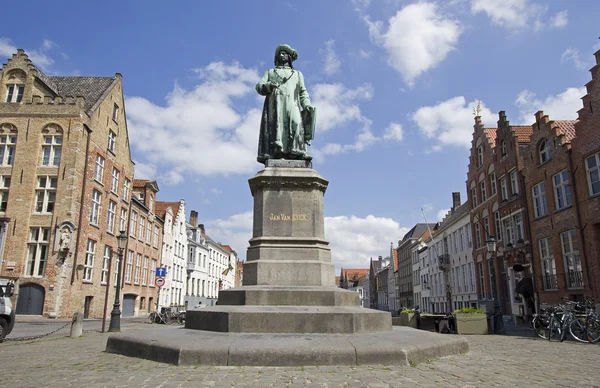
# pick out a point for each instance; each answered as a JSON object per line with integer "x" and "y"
{"x": 501, "y": 361}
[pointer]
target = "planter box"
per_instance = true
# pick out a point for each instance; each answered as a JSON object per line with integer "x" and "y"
{"x": 471, "y": 323}
{"x": 408, "y": 319}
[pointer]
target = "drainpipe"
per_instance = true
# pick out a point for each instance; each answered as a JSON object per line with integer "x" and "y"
{"x": 582, "y": 251}
{"x": 83, "y": 191}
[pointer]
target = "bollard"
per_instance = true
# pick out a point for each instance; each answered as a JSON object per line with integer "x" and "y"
{"x": 77, "y": 325}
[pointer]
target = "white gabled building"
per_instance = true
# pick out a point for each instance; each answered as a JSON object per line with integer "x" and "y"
{"x": 423, "y": 268}
{"x": 452, "y": 271}
{"x": 173, "y": 252}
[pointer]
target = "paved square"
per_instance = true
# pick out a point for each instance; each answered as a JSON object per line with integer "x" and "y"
{"x": 500, "y": 361}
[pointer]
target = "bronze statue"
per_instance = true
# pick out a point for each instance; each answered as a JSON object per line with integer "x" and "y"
{"x": 285, "y": 130}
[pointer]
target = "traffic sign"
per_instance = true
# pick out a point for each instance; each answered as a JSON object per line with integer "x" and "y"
{"x": 159, "y": 282}
{"x": 161, "y": 272}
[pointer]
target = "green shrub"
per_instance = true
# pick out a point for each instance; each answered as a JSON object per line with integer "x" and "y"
{"x": 407, "y": 311}
{"x": 469, "y": 310}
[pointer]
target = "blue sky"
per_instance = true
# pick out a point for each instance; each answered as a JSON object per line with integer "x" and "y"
{"x": 394, "y": 83}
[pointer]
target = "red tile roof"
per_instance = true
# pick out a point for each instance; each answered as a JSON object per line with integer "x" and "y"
{"x": 566, "y": 127}
{"x": 395, "y": 253}
{"x": 160, "y": 208}
{"x": 140, "y": 182}
{"x": 523, "y": 132}
{"x": 227, "y": 248}
{"x": 491, "y": 132}
{"x": 355, "y": 273}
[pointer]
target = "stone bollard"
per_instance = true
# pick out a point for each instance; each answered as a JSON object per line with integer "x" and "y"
{"x": 77, "y": 325}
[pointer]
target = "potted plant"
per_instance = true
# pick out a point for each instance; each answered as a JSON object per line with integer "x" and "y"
{"x": 470, "y": 320}
{"x": 408, "y": 317}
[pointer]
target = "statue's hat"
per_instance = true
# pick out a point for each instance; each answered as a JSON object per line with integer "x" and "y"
{"x": 293, "y": 53}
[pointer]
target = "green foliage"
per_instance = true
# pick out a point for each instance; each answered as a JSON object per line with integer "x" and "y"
{"x": 469, "y": 310}
{"x": 407, "y": 311}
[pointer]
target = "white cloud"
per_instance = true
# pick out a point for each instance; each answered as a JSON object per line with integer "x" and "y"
{"x": 559, "y": 20}
{"x": 145, "y": 170}
{"x": 364, "y": 54}
{"x": 427, "y": 207}
{"x": 518, "y": 14}
{"x": 441, "y": 214}
{"x": 171, "y": 177}
{"x": 572, "y": 55}
{"x": 394, "y": 132}
{"x": 417, "y": 39}
{"x": 563, "y": 106}
{"x": 39, "y": 57}
{"x": 451, "y": 122}
{"x": 331, "y": 61}
{"x": 213, "y": 127}
{"x": 353, "y": 240}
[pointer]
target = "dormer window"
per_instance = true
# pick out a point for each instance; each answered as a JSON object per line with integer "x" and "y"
{"x": 545, "y": 151}
{"x": 14, "y": 93}
{"x": 503, "y": 148}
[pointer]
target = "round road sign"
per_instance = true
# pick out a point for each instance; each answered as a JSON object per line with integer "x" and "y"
{"x": 159, "y": 282}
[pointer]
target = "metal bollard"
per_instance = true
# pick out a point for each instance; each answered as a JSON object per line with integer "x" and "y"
{"x": 77, "y": 325}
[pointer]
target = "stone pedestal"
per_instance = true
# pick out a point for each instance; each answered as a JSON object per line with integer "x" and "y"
{"x": 289, "y": 280}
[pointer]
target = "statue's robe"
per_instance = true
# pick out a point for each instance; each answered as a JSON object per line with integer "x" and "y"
{"x": 281, "y": 128}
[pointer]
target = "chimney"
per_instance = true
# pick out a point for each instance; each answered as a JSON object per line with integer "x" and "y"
{"x": 201, "y": 226}
{"x": 455, "y": 200}
{"x": 193, "y": 218}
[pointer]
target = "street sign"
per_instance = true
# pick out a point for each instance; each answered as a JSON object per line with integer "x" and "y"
{"x": 161, "y": 272}
{"x": 159, "y": 282}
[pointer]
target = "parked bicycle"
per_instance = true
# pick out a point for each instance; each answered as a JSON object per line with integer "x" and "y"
{"x": 577, "y": 319}
{"x": 166, "y": 316}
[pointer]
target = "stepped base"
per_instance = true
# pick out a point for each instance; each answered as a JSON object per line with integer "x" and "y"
{"x": 288, "y": 319}
{"x": 400, "y": 346}
{"x": 288, "y": 296}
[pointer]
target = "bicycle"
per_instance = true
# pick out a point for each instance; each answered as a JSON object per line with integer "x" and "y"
{"x": 159, "y": 317}
{"x": 586, "y": 328}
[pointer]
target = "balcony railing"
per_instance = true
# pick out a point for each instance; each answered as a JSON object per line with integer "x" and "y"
{"x": 549, "y": 282}
{"x": 444, "y": 262}
{"x": 574, "y": 279}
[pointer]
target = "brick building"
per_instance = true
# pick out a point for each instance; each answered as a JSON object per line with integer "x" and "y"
{"x": 65, "y": 175}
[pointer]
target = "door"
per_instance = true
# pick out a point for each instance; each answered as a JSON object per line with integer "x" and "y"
{"x": 31, "y": 299}
{"x": 86, "y": 307}
{"x": 128, "y": 305}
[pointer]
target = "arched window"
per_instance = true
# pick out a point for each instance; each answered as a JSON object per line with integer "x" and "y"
{"x": 15, "y": 86}
{"x": 51, "y": 145}
{"x": 545, "y": 151}
{"x": 503, "y": 148}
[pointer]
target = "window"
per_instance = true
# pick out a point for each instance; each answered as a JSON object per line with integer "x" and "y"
{"x": 486, "y": 226}
{"x": 504, "y": 188}
{"x": 155, "y": 242}
{"x": 99, "y": 168}
{"x": 514, "y": 182}
{"x": 592, "y": 167}
{"x": 481, "y": 281}
{"x": 477, "y": 235}
{"x": 14, "y": 93}
{"x": 117, "y": 263}
{"x": 37, "y": 251}
{"x": 96, "y": 197}
{"x": 509, "y": 232}
{"x": 129, "y": 270}
{"x": 461, "y": 238}
{"x": 148, "y": 232}
{"x": 571, "y": 258}
{"x": 548, "y": 266}
{"x": 562, "y": 189}
{"x": 114, "y": 183}
{"x": 540, "y": 205}
{"x": 145, "y": 271}
{"x": 45, "y": 194}
{"x": 498, "y": 226}
{"x": 112, "y": 213}
{"x": 7, "y": 149}
{"x": 469, "y": 236}
{"x": 503, "y": 152}
{"x": 545, "y": 151}
{"x": 88, "y": 266}
{"x": 518, "y": 218}
{"x": 493, "y": 183}
{"x": 105, "y": 264}
{"x": 4, "y": 189}
{"x": 479, "y": 156}
{"x": 141, "y": 229}
{"x": 151, "y": 203}
{"x": 111, "y": 141}
{"x": 483, "y": 192}
{"x": 51, "y": 150}
{"x": 152, "y": 272}
{"x": 115, "y": 112}
{"x": 126, "y": 184}
{"x": 133, "y": 225}
{"x": 123, "y": 220}
{"x": 472, "y": 276}
{"x": 474, "y": 197}
{"x": 138, "y": 268}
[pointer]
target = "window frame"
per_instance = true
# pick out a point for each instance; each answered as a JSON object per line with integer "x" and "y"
{"x": 112, "y": 216}
{"x": 562, "y": 190}
{"x": 8, "y": 144}
{"x": 595, "y": 170}
{"x": 99, "y": 170}
{"x": 96, "y": 207}
{"x": 4, "y": 192}
{"x": 105, "y": 264}
{"x": 544, "y": 151}
{"x": 48, "y": 194}
{"x": 35, "y": 265}
{"x": 54, "y": 148}
{"x": 88, "y": 265}
{"x": 539, "y": 199}
{"x": 11, "y": 96}
{"x": 112, "y": 141}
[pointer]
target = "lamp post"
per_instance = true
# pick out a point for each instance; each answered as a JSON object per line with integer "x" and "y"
{"x": 498, "y": 321}
{"x": 115, "y": 314}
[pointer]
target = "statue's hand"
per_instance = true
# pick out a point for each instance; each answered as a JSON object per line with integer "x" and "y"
{"x": 272, "y": 86}
{"x": 310, "y": 108}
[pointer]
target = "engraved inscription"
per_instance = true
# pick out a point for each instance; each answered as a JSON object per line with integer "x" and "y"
{"x": 288, "y": 217}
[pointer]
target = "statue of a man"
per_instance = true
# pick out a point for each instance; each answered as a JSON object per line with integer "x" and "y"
{"x": 65, "y": 239}
{"x": 285, "y": 130}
